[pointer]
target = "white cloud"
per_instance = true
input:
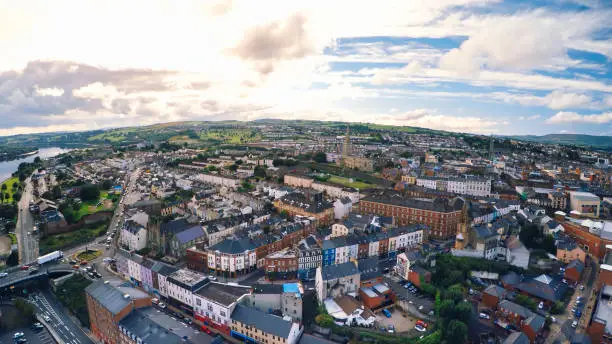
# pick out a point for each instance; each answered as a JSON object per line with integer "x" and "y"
{"x": 573, "y": 117}
{"x": 427, "y": 118}
{"x": 51, "y": 92}
{"x": 557, "y": 100}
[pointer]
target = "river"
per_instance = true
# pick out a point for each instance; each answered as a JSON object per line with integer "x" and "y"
{"x": 8, "y": 167}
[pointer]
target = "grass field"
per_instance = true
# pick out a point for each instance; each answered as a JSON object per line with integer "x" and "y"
{"x": 92, "y": 207}
{"x": 9, "y": 188}
{"x": 348, "y": 183}
{"x": 230, "y": 136}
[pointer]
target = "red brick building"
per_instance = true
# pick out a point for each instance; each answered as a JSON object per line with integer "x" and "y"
{"x": 591, "y": 242}
{"x": 418, "y": 274}
{"x": 377, "y": 296}
{"x": 282, "y": 265}
{"x": 108, "y": 305}
{"x": 573, "y": 270}
{"x": 197, "y": 259}
{"x": 492, "y": 295}
{"x": 442, "y": 216}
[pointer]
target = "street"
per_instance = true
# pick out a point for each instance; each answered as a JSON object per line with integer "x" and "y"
{"x": 27, "y": 241}
{"x": 60, "y": 321}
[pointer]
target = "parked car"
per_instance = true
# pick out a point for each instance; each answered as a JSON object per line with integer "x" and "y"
{"x": 25, "y": 267}
{"x": 20, "y": 340}
{"x": 541, "y": 305}
{"x": 37, "y": 326}
{"x": 154, "y": 300}
{"x": 212, "y": 278}
{"x": 3, "y": 274}
{"x": 386, "y": 313}
{"x": 18, "y": 335}
{"x": 83, "y": 262}
{"x": 420, "y": 328}
{"x": 390, "y": 329}
{"x": 161, "y": 305}
{"x": 575, "y": 324}
{"x": 484, "y": 316}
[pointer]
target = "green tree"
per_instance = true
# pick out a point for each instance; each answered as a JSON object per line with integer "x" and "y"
{"x": 456, "y": 332}
{"x": 260, "y": 171}
{"x": 26, "y": 310}
{"x": 463, "y": 311}
{"x": 17, "y": 196}
{"x": 7, "y": 196}
{"x": 320, "y": 157}
{"x": 22, "y": 176}
{"x": 106, "y": 184}
{"x": 4, "y": 187}
{"x": 57, "y": 192}
{"x": 1, "y": 197}
{"x": 526, "y": 301}
{"x": 324, "y": 320}
{"x": 90, "y": 192}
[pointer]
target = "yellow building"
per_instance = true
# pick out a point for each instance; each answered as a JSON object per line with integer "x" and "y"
{"x": 250, "y": 324}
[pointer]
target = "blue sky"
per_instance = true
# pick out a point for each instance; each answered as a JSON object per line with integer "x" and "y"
{"x": 481, "y": 66}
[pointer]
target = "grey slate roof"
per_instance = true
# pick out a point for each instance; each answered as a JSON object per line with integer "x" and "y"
{"x": 495, "y": 290}
{"x": 234, "y": 246}
{"x": 551, "y": 292}
{"x": 310, "y": 339}
{"x": 369, "y": 268}
{"x": 167, "y": 270}
{"x": 516, "y": 338}
{"x": 511, "y": 278}
{"x": 154, "y": 327}
{"x": 536, "y": 322}
{"x": 339, "y": 270}
{"x": 190, "y": 234}
{"x": 515, "y": 308}
{"x": 174, "y": 226}
{"x": 107, "y": 296}
{"x": 262, "y": 321}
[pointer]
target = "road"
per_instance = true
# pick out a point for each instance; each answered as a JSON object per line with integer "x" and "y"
{"x": 60, "y": 321}
{"x": 27, "y": 242}
{"x": 18, "y": 275}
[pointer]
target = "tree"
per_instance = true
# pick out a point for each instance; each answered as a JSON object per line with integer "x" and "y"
{"x": 106, "y": 184}
{"x": 4, "y": 187}
{"x": 454, "y": 293}
{"x": 260, "y": 171}
{"x": 17, "y": 196}
{"x": 7, "y": 196}
{"x": 456, "y": 332}
{"x": 25, "y": 309}
{"x": 526, "y": 301}
{"x": 1, "y": 197}
{"x": 90, "y": 193}
{"x": 57, "y": 192}
{"x": 320, "y": 157}
{"x": 324, "y": 320}
{"x": 37, "y": 160}
{"x": 463, "y": 311}
{"x": 22, "y": 176}
{"x": 233, "y": 168}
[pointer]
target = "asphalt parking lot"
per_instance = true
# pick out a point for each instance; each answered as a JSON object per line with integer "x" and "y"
{"x": 417, "y": 299}
{"x": 39, "y": 337}
{"x": 402, "y": 322}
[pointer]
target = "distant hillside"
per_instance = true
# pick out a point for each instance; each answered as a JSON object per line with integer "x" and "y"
{"x": 603, "y": 142}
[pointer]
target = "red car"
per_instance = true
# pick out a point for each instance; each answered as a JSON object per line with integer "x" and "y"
{"x": 84, "y": 262}
{"x": 207, "y": 330}
{"x": 25, "y": 267}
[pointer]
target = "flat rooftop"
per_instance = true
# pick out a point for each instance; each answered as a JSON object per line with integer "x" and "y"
{"x": 188, "y": 279}
{"x": 603, "y": 310}
{"x": 155, "y": 327}
{"x": 224, "y": 294}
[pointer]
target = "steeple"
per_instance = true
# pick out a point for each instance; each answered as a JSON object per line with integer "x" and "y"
{"x": 345, "y": 147}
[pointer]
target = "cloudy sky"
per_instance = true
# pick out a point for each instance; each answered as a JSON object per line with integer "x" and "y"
{"x": 483, "y": 66}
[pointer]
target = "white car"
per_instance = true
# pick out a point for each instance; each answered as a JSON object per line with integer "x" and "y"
{"x": 212, "y": 278}
{"x": 3, "y": 274}
{"x": 541, "y": 305}
{"x": 575, "y": 324}
{"x": 484, "y": 316}
{"x": 420, "y": 328}
{"x": 46, "y": 317}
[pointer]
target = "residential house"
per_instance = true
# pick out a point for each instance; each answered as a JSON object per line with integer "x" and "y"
{"x": 492, "y": 295}
{"x": 337, "y": 280}
{"x": 342, "y": 207}
{"x": 250, "y": 324}
{"x": 573, "y": 271}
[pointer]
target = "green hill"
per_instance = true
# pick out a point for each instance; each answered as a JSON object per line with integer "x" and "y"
{"x": 603, "y": 142}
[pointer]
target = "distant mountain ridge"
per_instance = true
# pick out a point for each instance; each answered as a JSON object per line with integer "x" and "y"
{"x": 604, "y": 142}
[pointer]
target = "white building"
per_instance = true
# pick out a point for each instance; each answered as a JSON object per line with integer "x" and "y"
{"x": 183, "y": 283}
{"x": 133, "y": 236}
{"x": 336, "y": 191}
{"x": 218, "y": 180}
{"x": 216, "y": 301}
{"x": 342, "y": 207}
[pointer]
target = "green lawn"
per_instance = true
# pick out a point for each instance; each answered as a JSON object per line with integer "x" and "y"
{"x": 93, "y": 207}
{"x": 346, "y": 182}
{"x": 9, "y": 188}
{"x": 80, "y": 236}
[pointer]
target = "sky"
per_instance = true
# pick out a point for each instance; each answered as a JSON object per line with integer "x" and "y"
{"x": 479, "y": 66}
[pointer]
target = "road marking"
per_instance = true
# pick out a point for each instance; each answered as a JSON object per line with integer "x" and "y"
{"x": 67, "y": 329}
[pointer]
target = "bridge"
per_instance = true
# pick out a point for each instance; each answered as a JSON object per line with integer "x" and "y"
{"x": 21, "y": 276}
